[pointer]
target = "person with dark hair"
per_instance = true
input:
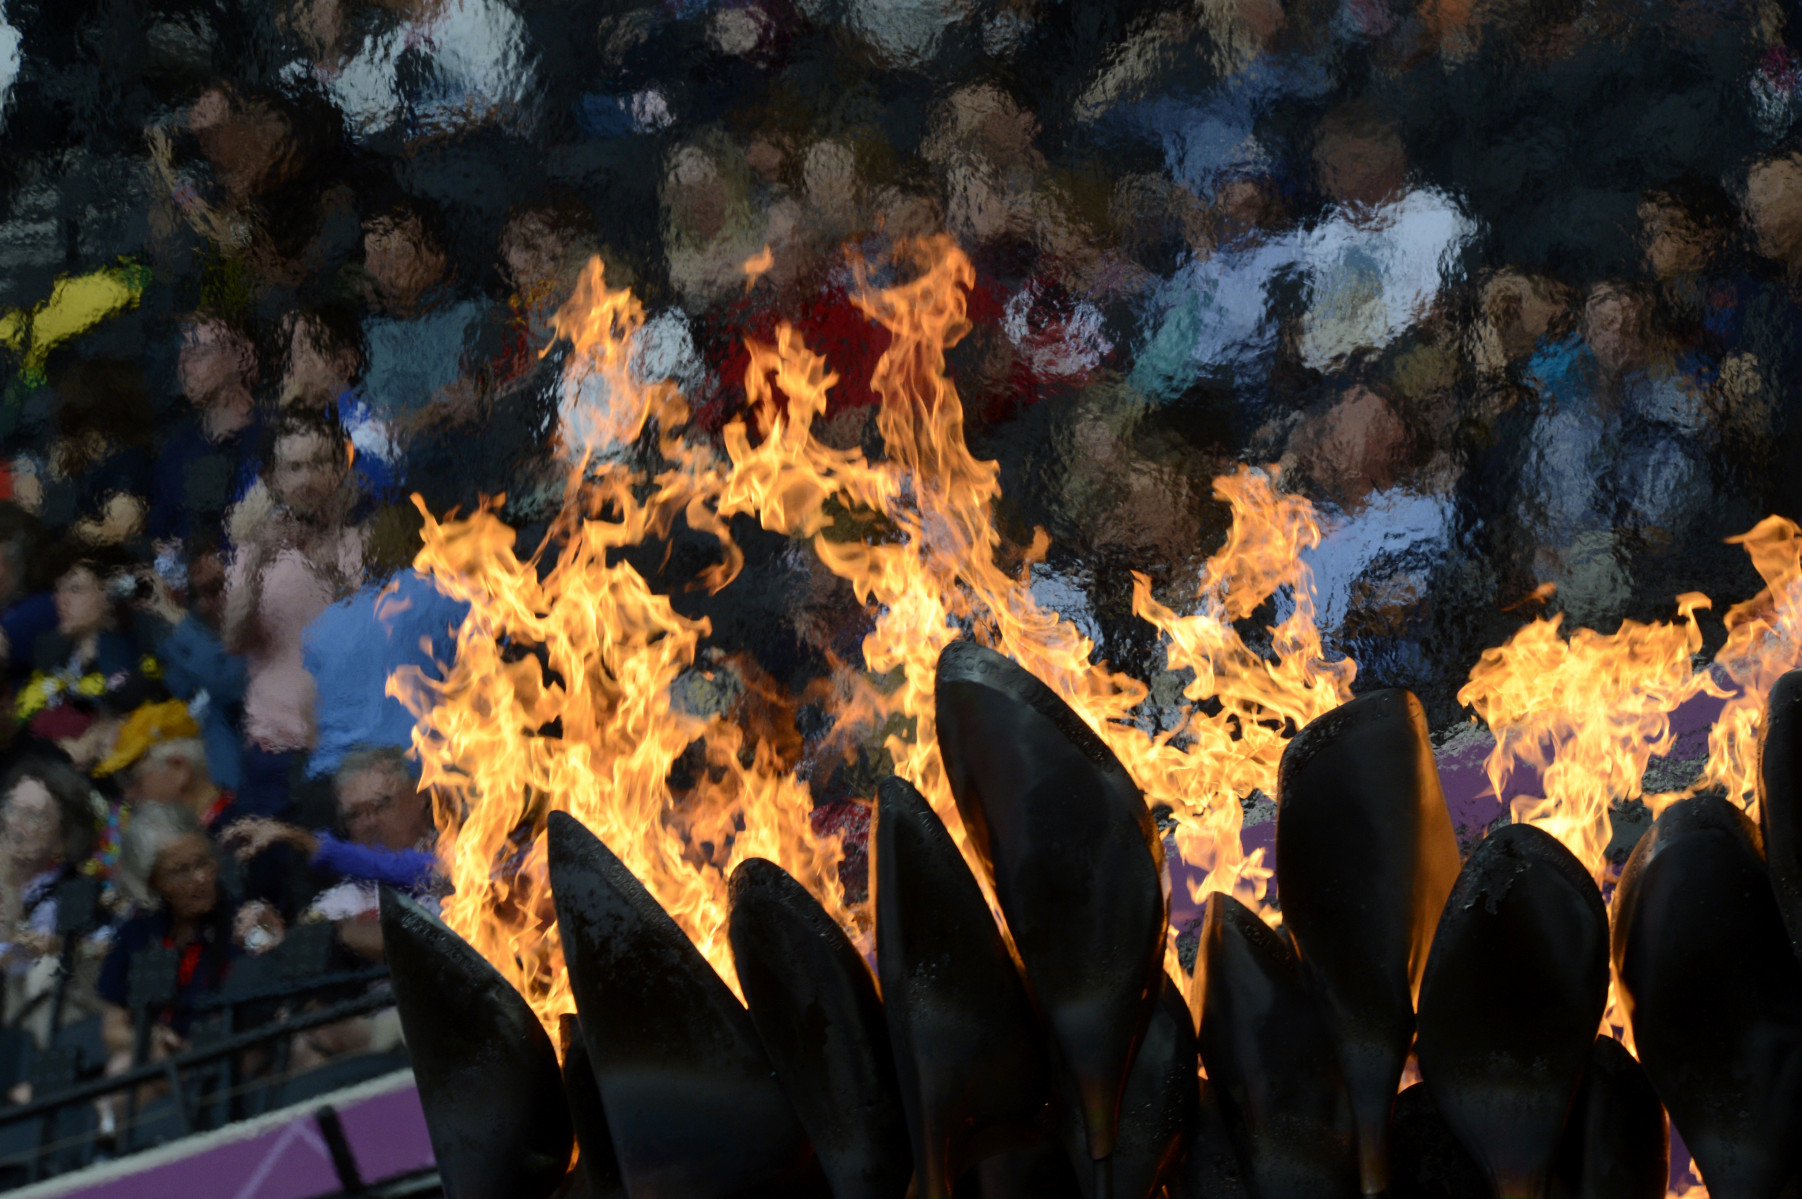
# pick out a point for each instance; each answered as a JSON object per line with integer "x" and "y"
{"x": 47, "y": 822}
{"x": 297, "y": 552}
{"x": 27, "y": 608}
{"x": 321, "y": 371}
{"x": 96, "y": 473}
{"x": 421, "y": 331}
{"x": 89, "y": 671}
{"x": 208, "y": 462}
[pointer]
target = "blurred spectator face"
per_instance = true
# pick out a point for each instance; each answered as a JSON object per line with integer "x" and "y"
{"x": 1361, "y": 163}
{"x": 186, "y": 877}
{"x": 32, "y": 826}
{"x": 161, "y": 778}
{"x": 315, "y": 374}
{"x": 206, "y": 588}
{"x": 81, "y": 604}
{"x": 214, "y": 361}
{"x": 307, "y": 474}
{"x": 384, "y": 807}
{"x": 1614, "y": 322}
{"x": 1675, "y": 244}
{"x": 531, "y": 252}
{"x": 401, "y": 259}
{"x": 251, "y": 146}
{"x": 1243, "y": 207}
{"x": 1773, "y": 207}
{"x": 1521, "y": 310}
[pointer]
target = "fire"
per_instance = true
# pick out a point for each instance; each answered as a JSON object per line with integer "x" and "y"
{"x": 574, "y": 681}
{"x": 562, "y": 694}
{"x": 1585, "y": 713}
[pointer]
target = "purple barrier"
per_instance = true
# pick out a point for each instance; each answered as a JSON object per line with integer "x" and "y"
{"x": 278, "y": 1156}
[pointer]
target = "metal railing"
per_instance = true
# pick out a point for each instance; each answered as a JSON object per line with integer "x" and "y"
{"x": 237, "y": 1054}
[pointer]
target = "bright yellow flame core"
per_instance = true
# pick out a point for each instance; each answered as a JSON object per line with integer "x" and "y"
{"x": 561, "y": 692}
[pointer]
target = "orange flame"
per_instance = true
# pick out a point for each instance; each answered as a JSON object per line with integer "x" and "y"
{"x": 562, "y": 694}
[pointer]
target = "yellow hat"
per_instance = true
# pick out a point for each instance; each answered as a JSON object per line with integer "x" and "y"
{"x": 148, "y": 725}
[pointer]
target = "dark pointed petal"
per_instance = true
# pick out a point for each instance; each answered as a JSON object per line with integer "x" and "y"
{"x": 1159, "y": 1106}
{"x": 1514, "y": 990}
{"x": 1780, "y": 797}
{"x": 1075, "y": 861}
{"x": 815, "y": 1007}
{"x": 973, "y": 1074}
{"x": 1365, "y": 856}
{"x": 693, "y": 1105}
{"x": 487, "y": 1072}
{"x": 1210, "y": 1166}
{"x": 1040, "y": 1171}
{"x": 1270, "y": 1059}
{"x": 1426, "y": 1158}
{"x": 1714, "y": 994}
{"x": 598, "y": 1162}
{"x": 1616, "y": 1143}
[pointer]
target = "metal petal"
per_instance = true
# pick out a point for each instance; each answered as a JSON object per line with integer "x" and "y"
{"x": 1514, "y": 990}
{"x": 1714, "y": 994}
{"x": 972, "y": 1068}
{"x": 815, "y": 1007}
{"x": 487, "y": 1073}
{"x": 1365, "y": 856}
{"x": 1616, "y": 1142}
{"x": 1270, "y": 1059}
{"x": 1780, "y": 797}
{"x": 598, "y": 1163}
{"x": 1426, "y": 1158}
{"x": 1075, "y": 861}
{"x": 691, "y": 1100}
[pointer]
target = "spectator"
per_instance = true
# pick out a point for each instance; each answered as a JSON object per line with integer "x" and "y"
{"x": 196, "y": 667}
{"x": 47, "y": 819}
{"x": 389, "y": 821}
{"x": 297, "y": 553}
{"x": 96, "y": 474}
{"x": 26, "y": 611}
{"x": 89, "y": 671}
{"x": 405, "y": 629}
{"x": 168, "y": 868}
{"x": 209, "y": 460}
{"x": 421, "y": 331}
{"x": 164, "y": 761}
{"x": 321, "y": 372}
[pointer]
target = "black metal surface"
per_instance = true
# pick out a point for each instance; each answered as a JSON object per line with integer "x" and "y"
{"x": 690, "y": 1096}
{"x": 598, "y": 1163}
{"x": 816, "y": 1010}
{"x": 1159, "y": 1104}
{"x": 487, "y": 1072}
{"x": 1715, "y": 995}
{"x": 1075, "y": 861}
{"x": 1780, "y": 797}
{"x": 1270, "y": 1059}
{"x": 1426, "y": 1158}
{"x": 1514, "y": 990}
{"x": 1365, "y": 856}
{"x": 1616, "y": 1142}
{"x": 1210, "y": 1167}
{"x": 972, "y": 1068}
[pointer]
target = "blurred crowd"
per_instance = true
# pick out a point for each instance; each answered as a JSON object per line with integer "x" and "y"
{"x": 1511, "y": 289}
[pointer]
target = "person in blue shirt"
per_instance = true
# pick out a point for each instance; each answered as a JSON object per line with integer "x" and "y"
{"x": 390, "y": 837}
